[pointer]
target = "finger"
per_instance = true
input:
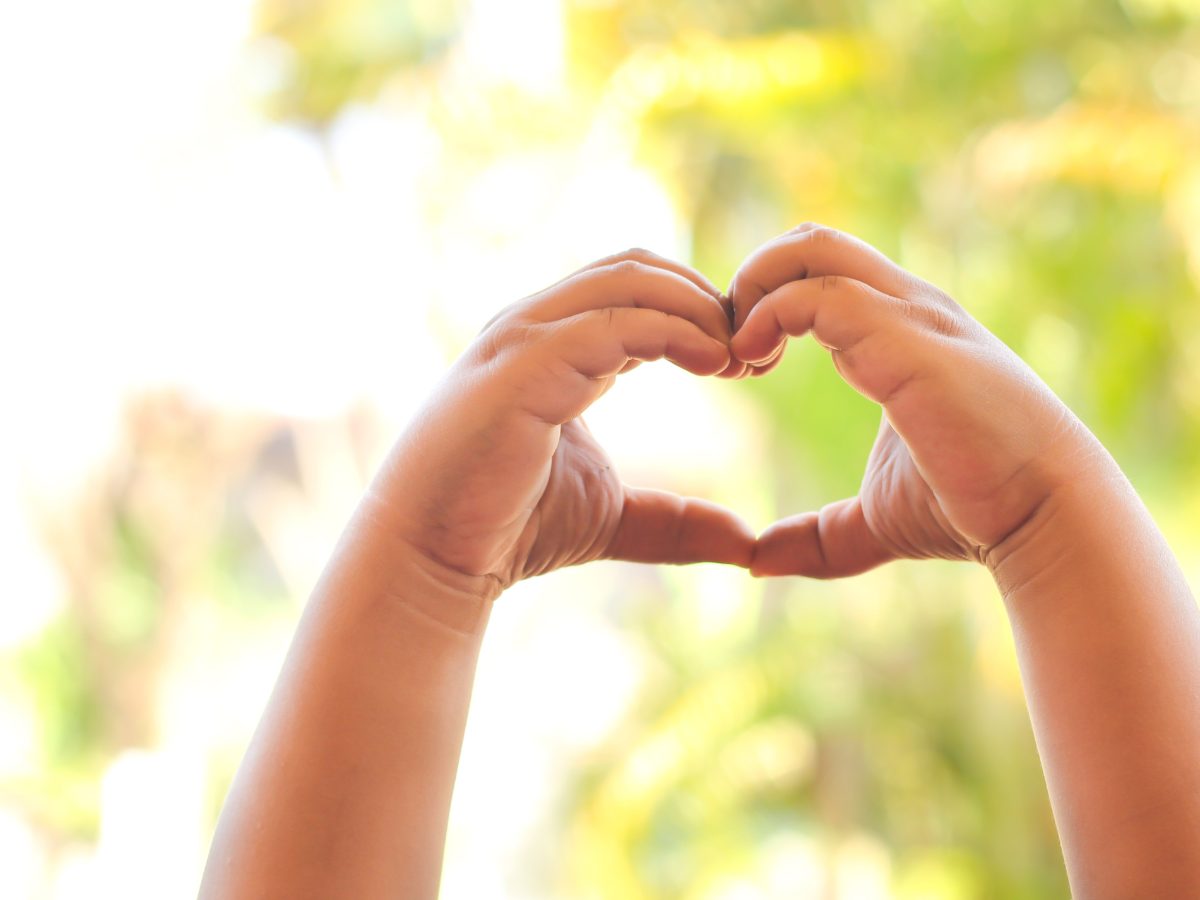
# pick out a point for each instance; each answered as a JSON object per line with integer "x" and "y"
{"x": 635, "y": 284}
{"x": 650, "y": 258}
{"x": 839, "y": 311}
{"x": 596, "y": 345}
{"x": 832, "y": 543}
{"x": 736, "y": 369}
{"x": 659, "y": 527}
{"x": 811, "y": 251}
{"x": 759, "y": 369}
{"x": 600, "y": 342}
{"x": 762, "y": 368}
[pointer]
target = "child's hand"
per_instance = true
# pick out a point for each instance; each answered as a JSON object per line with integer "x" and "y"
{"x": 972, "y": 443}
{"x": 499, "y": 479}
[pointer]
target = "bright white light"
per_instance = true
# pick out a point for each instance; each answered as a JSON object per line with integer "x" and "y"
{"x": 152, "y": 813}
{"x": 22, "y": 858}
{"x": 520, "y": 41}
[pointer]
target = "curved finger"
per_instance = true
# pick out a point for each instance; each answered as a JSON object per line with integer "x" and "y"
{"x": 880, "y": 344}
{"x": 660, "y": 527}
{"x": 760, "y": 369}
{"x": 650, "y": 258}
{"x": 839, "y": 311}
{"x": 832, "y": 543}
{"x": 576, "y": 358}
{"x": 600, "y": 342}
{"x": 735, "y": 370}
{"x": 811, "y": 251}
{"x": 635, "y": 284}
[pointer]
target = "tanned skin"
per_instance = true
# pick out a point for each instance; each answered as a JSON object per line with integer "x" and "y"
{"x": 345, "y": 789}
{"x": 976, "y": 458}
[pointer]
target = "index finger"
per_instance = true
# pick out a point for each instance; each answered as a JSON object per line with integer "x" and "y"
{"x": 650, "y": 258}
{"x": 630, "y": 283}
{"x": 811, "y": 251}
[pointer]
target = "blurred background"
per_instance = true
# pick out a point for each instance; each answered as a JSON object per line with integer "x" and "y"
{"x": 240, "y": 242}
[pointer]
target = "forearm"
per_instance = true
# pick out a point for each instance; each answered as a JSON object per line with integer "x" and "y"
{"x": 346, "y": 786}
{"x": 1108, "y": 640}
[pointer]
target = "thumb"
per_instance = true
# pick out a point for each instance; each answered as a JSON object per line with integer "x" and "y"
{"x": 660, "y": 527}
{"x": 832, "y": 543}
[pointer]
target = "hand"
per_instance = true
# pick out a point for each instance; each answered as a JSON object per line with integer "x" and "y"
{"x": 499, "y": 478}
{"x": 972, "y": 444}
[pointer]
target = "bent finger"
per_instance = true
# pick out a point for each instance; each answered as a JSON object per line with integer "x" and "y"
{"x": 600, "y": 342}
{"x": 650, "y": 258}
{"x": 833, "y": 543}
{"x": 839, "y": 311}
{"x": 637, "y": 284}
{"x": 661, "y": 527}
{"x": 879, "y": 344}
{"x": 578, "y": 357}
{"x": 811, "y": 251}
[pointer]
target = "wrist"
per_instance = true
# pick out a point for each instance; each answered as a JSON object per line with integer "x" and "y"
{"x": 407, "y": 576}
{"x": 1086, "y": 507}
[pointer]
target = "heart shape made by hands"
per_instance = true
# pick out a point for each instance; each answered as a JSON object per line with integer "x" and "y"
{"x": 500, "y": 478}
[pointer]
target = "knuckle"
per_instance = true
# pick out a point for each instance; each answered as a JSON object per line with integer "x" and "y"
{"x": 629, "y": 267}
{"x": 489, "y": 340}
{"x": 501, "y": 316}
{"x": 948, "y": 317}
{"x": 943, "y": 321}
{"x": 638, "y": 254}
{"x": 506, "y": 334}
{"x": 822, "y": 234}
{"x": 609, "y": 317}
{"x": 936, "y": 312}
{"x": 832, "y": 282}
{"x": 622, "y": 269}
{"x": 913, "y": 309}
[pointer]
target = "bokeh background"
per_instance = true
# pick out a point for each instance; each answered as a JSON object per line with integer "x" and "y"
{"x": 240, "y": 242}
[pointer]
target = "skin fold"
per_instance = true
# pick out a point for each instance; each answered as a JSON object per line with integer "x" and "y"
{"x": 346, "y": 786}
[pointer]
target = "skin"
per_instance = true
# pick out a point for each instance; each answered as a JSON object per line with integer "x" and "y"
{"x": 977, "y": 459}
{"x": 346, "y": 786}
{"x": 345, "y": 789}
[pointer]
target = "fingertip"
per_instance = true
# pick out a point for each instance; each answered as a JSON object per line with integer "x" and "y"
{"x": 715, "y": 359}
{"x": 719, "y": 535}
{"x": 755, "y": 362}
{"x": 738, "y": 308}
{"x": 734, "y": 371}
{"x": 761, "y": 567}
{"x": 739, "y": 351}
{"x": 726, "y": 302}
{"x": 741, "y": 546}
{"x": 740, "y": 556}
{"x": 770, "y": 364}
{"x": 757, "y": 345}
{"x": 786, "y": 548}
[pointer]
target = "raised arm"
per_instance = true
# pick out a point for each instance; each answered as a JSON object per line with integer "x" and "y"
{"x": 977, "y": 459}
{"x": 345, "y": 789}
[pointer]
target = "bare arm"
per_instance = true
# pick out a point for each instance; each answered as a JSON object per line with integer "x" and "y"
{"x": 346, "y": 787}
{"x": 1108, "y": 639}
{"x": 977, "y": 459}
